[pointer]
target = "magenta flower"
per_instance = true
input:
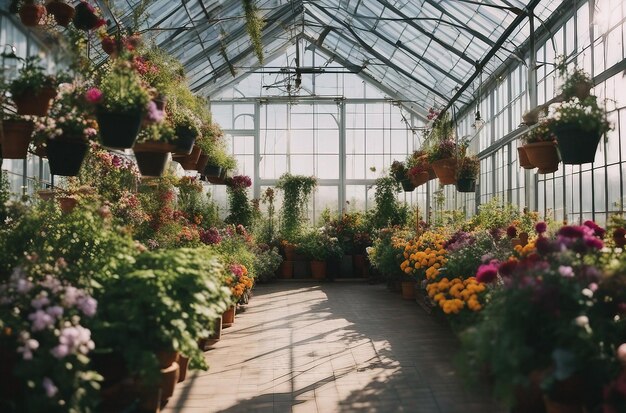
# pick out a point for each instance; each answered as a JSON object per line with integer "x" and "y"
{"x": 94, "y": 95}
{"x": 541, "y": 227}
{"x": 240, "y": 182}
{"x": 507, "y": 267}
{"x": 487, "y": 273}
{"x": 154, "y": 115}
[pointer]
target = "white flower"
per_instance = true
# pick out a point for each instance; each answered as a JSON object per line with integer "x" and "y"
{"x": 582, "y": 321}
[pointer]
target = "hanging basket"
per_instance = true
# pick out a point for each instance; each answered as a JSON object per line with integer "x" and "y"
{"x": 119, "y": 130}
{"x": 213, "y": 171}
{"x": 445, "y": 169}
{"x": 543, "y": 155}
{"x": 15, "y": 138}
{"x": 65, "y": 155}
{"x": 576, "y": 146}
{"x": 31, "y": 14}
{"x": 63, "y": 13}
{"x": 202, "y": 161}
{"x": 466, "y": 185}
{"x": 524, "y": 162}
{"x": 407, "y": 185}
{"x": 184, "y": 144}
{"x": 35, "y": 103}
{"x": 420, "y": 178}
{"x": 189, "y": 162}
{"x": 152, "y": 157}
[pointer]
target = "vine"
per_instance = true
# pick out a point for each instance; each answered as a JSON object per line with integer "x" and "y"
{"x": 297, "y": 191}
{"x": 254, "y": 25}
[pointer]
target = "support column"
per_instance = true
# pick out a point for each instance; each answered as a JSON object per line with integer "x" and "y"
{"x": 341, "y": 199}
{"x": 257, "y": 150}
{"x": 530, "y": 181}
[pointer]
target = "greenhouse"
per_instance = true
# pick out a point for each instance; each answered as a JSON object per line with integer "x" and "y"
{"x": 312, "y": 206}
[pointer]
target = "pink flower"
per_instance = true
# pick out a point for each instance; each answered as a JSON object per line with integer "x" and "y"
{"x": 541, "y": 227}
{"x": 94, "y": 95}
{"x": 487, "y": 273}
{"x": 49, "y": 387}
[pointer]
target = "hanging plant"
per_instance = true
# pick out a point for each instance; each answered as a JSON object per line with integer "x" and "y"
{"x": 297, "y": 191}
{"x": 254, "y": 25}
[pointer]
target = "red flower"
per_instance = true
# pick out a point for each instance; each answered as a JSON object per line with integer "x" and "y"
{"x": 541, "y": 227}
{"x": 507, "y": 268}
{"x": 487, "y": 273}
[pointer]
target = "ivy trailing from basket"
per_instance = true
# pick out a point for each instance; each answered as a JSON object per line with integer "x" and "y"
{"x": 254, "y": 25}
{"x": 297, "y": 191}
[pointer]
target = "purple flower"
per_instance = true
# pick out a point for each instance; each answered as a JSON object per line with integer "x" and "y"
{"x": 572, "y": 231}
{"x": 41, "y": 300}
{"x": 88, "y": 305}
{"x": 49, "y": 387}
{"x": 566, "y": 271}
{"x": 41, "y": 320}
{"x": 28, "y": 346}
{"x": 55, "y": 311}
{"x": 70, "y": 296}
{"x": 154, "y": 115}
{"x": 541, "y": 227}
{"x": 487, "y": 273}
{"x": 72, "y": 340}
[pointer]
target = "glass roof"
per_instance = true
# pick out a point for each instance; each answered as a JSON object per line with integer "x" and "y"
{"x": 419, "y": 50}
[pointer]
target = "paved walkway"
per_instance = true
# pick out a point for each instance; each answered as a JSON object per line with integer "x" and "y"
{"x": 339, "y": 347}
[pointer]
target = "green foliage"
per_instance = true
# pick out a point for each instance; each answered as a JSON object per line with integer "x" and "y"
{"x": 388, "y": 211}
{"x": 265, "y": 228}
{"x": 493, "y": 215}
{"x": 122, "y": 90}
{"x": 254, "y": 26}
{"x": 31, "y": 78}
{"x": 266, "y": 263}
{"x": 240, "y": 208}
{"x": 5, "y": 195}
{"x": 318, "y": 245}
{"x": 297, "y": 191}
{"x": 235, "y": 248}
{"x": 386, "y": 255}
{"x": 165, "y": 70}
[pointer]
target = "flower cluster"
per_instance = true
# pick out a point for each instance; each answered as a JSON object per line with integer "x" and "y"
{"x": 210, "y": 236}
{"x": 240, "y": 182}
{"x": 444, "y": 149}
{"x": 454, "y": 295}
{"x": 542, "y": 132}
{"x": 586, "y": 115}
{"x": 424, "y": 256}
{"x": 238, "y": 280}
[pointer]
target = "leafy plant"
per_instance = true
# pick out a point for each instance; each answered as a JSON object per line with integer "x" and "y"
{"x": 468, "y": 167}
{"x": 388, "y": 211}
{"x": 240, "y": 208}
{"x": 296, "y": 190}
{"x": 586, "y": 115}
{"x": 317, "y": 245}
{"x": 266, "y": 262}
{"x": 254, "y": 26}
{"x": 120, "y": 90}
{"x": 31, "y": 78}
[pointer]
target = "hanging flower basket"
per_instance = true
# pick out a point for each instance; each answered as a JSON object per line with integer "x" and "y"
{"x": 420, "y": 178}
{"x": 31, "y": 14}
{"x": 119, "y": 130}
{"x": 318, "y": 270}
{"x": 190, "y": 161}
{"x": 524, "y": 162}
{"x": 152, "y": 157}
{"x": 184, "y": 144}
{"x": 15, "y": 138}
{"x": 576, "y": 146}
{"x": 63, "y": 13}
{"x": 445, "y": 169}
{"x": 543, "y": 155}
{"x": 40, "y": 151}
{"x": 466, "y": 185}
{"x": 35, "y": 103}
{"x": 67, "y": 204}
{"x": 213, "y": 171}
{"x": 407, "y": 185}
{"x": 65, "y": 155}
{"x": 202, "y": 162}
{"x": 85, "y": 17}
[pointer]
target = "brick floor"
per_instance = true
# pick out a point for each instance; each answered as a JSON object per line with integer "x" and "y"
{"x": 335, "y": 347}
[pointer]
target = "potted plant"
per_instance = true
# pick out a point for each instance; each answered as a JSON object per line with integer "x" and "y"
{"x": 16, "y": 136}
{"x": 318, "y": 247}
{"x": 31, "y": 13}
{"x": 399, "y": 172}
{"x": 522, "y": 157}
{"x": 467, "y": 173}
{"x": 33, "y": 89}
{"x": 540, "y": 147}
{"x": 153, "y": 147}
{"x": 578, "y": 126}
{"x": 63, "y": 13}
{"x": 442, "y": 157}
{"x": 297, "y": 190}
{"x": 187, "y": 127}
{"x": 120, "y": 101}
{"x": 87, "y": 17}
{"x": 577, "y": 83}
{"x": 419, "y": 169}
{"x": 239, "y": 205}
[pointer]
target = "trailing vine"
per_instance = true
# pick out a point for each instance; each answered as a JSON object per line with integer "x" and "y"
{"x": 297, "y": 191}
{"x": 388, "y": 210}
{"x": 254, "y": 25}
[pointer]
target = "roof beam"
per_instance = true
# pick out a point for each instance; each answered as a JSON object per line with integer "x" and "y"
{"x": 475, "y": 33}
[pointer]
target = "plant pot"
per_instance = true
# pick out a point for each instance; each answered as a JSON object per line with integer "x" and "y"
{"x": 359, "y": 264}
{"x": 217, "y": 332}
{"x": 286, "y": 270}
{"x": 35, "y": 103}
{"x": 65, "y": 156}
{"x": 85, "y": 18}
{"x": 515, "y": 242}
{"x": 67, "y": 204}
{"x": 213, "y": 171}
{"x": 166, "y": 358}
{"x": 45, "y": 194}
{"x": 152, "y": 157}
{"x": 15, "y": 138}
{"x": 189, "y": 162}
{"x": 183, "y": 364}
{"x": 466, "y": 185}
{"x": 31, "y": 14}
{"x": 111, "y": 366}
{"x": 41, "y": 151}
{"x": 202, "y": 161}
{"x": 431, "y": 173}
{"x": 215, "y": 180}
{"x": 184, "y": 144}
{"x": 576, "y": 146}
{"x": 420, "y": 178}
{"x": 408, "y": 290}
{"x": 529, "y": 399}
{"x": 119, "y": 130}
{"x": 228, "y": 318}
{"x": 445, "y": 169}
{"x": 63, "y": 13}
{"x": 524, "y": 162}
{"x": 169, "y": 378}
{"x": 318, "y": 270}
{"x": 9, "y": 383}
{"x": 543, "y": 155}
{"x": 290, "y": 252}
{"x": 407, "y": 185}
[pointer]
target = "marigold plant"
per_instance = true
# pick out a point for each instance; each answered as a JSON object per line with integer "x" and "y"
{"x": 454, "y": 295}
{"x": 424, "y": 256}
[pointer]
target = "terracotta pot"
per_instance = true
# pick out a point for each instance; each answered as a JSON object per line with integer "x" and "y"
{"x": 41, "y": 151}
{"x": 286, "y": 269}
{"x": 31, "y": 14}
{"x": 35, "y": 103}
{"x": 111, "y": 366}
{"x": 420, "y": 178}
{"x": 466, "y": 185}
{"x": 524, "y": 162}
{"x": 408, "y": 290}
{"x": 228, "y": 318}
{"x": 290, "y": 252}
{"x": 431, "y": 173}
{"x": 65, "y": 156}
{"x": 445, "y": 169}
{"x": 152, "y": 157}
{"x": 183, "y": 363}
{"x": 15, "y": 138}
{"x": 576, "y": 146}
{"x": 215, "y": 180}
{"x": 202, "y": 161}
{"x": 119, "y": 130}
{"x": 359, "y": 264}
{"x": 189, "y": 162}
{"x": 169, "y": 378}
{"x": 543, "y": 155}
{"x": 63, "y": 13}
{"x": 67, "y": 204}
{"x": 515, "y": 242}
{"x": 45, "y": 194}
{"x": 166, "y": 358}
{"x": 318, "y": 270}
{"x": 85, "y": 19}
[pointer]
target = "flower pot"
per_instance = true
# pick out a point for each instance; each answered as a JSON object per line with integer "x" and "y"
{"x": 420, "y": 178}
{"x": 63, "y": 13}
{"x": 65, "y": 155}
{"x": 318, "y": 270}
{"x": 543, "y": 155}
{"x": 166, "y": 358}
{"x": 189, "y": 162}
{"x": 359, "y": 264}
{"x": 31, "y": 14}
{"x": 213, "y": 171}
{"x": 85, "y": 17}
{"x": 529, "y": 399}
{"x": 202, "y": 161}
{"x": 286, "y": 269}
{"x": 431, "y": 173}
{"x": 183, "y": 364}
{"x": 228, "y": 318}
{"x": 152, "y": 157}
{"x": 45, "y": 194}
{"x": 576, "y": 146}
{"x": 184, "y": 144}
{"x": 67, "y": 204}
{"x": 466, "y": 185}
{"x": 515, "y": 242}
{"x": 407, "y": 185}
{"x": 111, "y": 366}
{"x": 169, "y": 378}
{"x": 35, "y": 103}
{"x": 408, "y": 290}
{"x": 215, "y": 180}
{"x": 15, "y": 138}
{"x": 290, "y": 252}
{"x": 119, "y": 130}
{"x": 524, "y": 162}
{"x": 445, "y": 169}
